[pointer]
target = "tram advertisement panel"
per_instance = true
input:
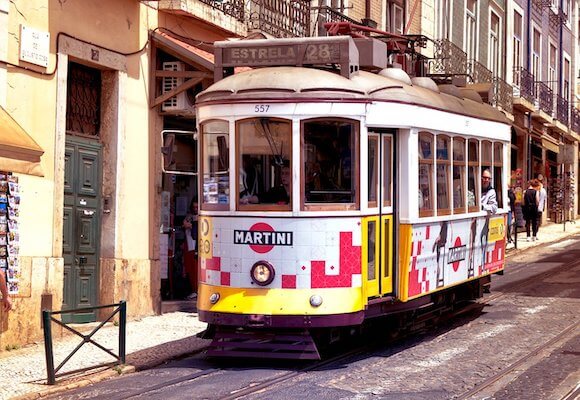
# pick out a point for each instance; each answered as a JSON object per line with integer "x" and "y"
{"x": 447, "y": 253}
{"x": 305, "y": 253}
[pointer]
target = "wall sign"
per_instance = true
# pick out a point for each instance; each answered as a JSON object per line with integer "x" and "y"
{"x": 34, "y": 46}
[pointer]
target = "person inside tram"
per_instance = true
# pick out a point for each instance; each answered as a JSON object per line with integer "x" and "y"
{"x": 489, "y": 204}
{"x": 248, "y": 181}
{"x": 280, "y": 193}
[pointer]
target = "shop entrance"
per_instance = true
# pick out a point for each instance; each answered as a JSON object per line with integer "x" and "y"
{"x": 81, "y": 227}
{"x": 179, "y": 207}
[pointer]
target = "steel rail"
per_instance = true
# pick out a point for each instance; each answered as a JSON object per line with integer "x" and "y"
{"x": 505, "y": 372}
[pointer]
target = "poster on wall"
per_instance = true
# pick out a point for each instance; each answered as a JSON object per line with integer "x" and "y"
{"x": 9, "y": 234}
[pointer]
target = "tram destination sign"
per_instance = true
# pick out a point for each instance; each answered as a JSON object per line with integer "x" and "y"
{"x": 287, "y": 52}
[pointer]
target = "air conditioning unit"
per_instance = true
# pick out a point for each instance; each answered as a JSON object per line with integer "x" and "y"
{"x": 180, "y": 101}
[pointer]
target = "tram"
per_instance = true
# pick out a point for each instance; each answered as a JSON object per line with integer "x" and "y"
{"x": 335, "y": 190}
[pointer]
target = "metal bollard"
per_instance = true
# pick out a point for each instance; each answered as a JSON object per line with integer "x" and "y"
{"x": 122, "y": 329}
{"x": 46, "y": 326}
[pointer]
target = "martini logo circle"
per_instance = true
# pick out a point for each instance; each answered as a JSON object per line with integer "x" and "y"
{"x": 262, "y": 238}
{"x": 456, "y": 254}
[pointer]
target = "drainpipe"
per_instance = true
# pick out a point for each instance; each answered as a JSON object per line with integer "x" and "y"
{"x": 529, "y": 41}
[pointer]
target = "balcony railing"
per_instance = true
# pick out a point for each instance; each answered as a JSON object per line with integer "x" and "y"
{"x": 524, "y": 84}
{"x": 502, "y": 95}
{"x": 478, "y": 73}
{"x": 448, "y": 59}
{"x": 575, "y": 120}
{"x": 234, "y": 8}
{"x": 326, "y": 14}
{"x": 281, "y": 18}
{"x": 562, "y": 108}
{"x": 545, "y": 98}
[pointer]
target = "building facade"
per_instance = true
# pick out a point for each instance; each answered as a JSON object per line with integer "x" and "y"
{"x": 98, "y": 124}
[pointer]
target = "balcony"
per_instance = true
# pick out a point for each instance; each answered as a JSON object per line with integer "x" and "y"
{"x": 524, "y": 90}
{"x": 544, "y": 103}
{"x": 478, "y": 73}
{"x": 562, "y": 110}
{"x": 280, "y": 18}
{"x": 575, "y": 120}
{"x": 502, "y": 95}
{"x": 448, "y": 61}
{"x": 326, "y": 14}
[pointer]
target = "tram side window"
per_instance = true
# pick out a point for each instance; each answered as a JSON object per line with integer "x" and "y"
{"x": 497, "y": 172}
{"x": 263, "y": 159}
{"x": 373, "y": 172}
{"x": 442, "y": 177}
{"x": 426, "y": 161}
{"x": 215, "y": 167}
{"x": 473, "y": 175}
{"x": 459, "y": 164}
{"x": 329, "y": 157}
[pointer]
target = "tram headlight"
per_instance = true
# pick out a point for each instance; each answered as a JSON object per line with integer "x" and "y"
{"x": 214, "y": 297}
{"x": 315, "y": 300}
{"x": 262, "y": 273}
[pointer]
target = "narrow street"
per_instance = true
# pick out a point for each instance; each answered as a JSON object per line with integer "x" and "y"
{"x": 522, "y": 342}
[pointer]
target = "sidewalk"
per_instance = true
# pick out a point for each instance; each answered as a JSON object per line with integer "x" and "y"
{"x": 150, "y": 341}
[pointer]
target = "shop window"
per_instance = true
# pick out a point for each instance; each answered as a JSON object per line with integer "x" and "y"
{"x": 373, "y": 173}
{"x": 473, "y": 175}
{"x": 443, "y": 174}
{"x": 263, "y": 158}
{"x": 387, "y": 171}
{"x": 426, "y": 164}
{"x": 215, "y": 166}
{"x": 329, "y": 164}
{"x": 459, "y": 165}
{"x": 498, "y": 172}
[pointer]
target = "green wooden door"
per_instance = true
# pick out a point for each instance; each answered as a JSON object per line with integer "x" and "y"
{"x": 81, "y": 227}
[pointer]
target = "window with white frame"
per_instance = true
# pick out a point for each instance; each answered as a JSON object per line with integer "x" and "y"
{"x": 470, "y": 41}
{"x": 517, "y": 40}
{"x": 495, "y": 44}
{"x": 443, "y": 19}
{"x": 395, "y": 18}
{"x": 553, "y": 56}
{"x": 566, "y": 88}
{"x": 536, "y": 54}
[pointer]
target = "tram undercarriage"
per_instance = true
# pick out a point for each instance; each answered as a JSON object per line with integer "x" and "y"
{"x": 384, "y": 318}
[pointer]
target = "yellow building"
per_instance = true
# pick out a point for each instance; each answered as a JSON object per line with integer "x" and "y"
{"x": 86, "y": 88}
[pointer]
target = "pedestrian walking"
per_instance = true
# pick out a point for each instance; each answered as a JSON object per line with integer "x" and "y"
{"x": 6, "y": 302}
{"x": 511, "y": 212}
{"x": 543, "y": 195}
{"x": 530, "y": 209}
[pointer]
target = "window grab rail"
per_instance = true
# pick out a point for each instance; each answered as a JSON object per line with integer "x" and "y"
{"x": 47, "y": 318}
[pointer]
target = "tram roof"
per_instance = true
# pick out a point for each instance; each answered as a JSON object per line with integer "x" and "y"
{"x": 296, "y": 83}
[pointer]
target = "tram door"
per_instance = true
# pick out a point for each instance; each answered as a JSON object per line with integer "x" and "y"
{"x": 378, "y": 228}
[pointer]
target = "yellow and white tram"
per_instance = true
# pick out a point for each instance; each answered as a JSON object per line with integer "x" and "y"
{"x": 328, "y": 198}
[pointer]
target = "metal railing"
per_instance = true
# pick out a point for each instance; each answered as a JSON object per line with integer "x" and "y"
{"x": 233, "y": 8}
{"x": 545, "y": 98}
{"x": 478, "y": 73}
{"x": 502, "y": 95}
{"x": 324, "y": 14}
{"x": 575, "y": 120}
{"x": 47, "y": 318}
{"x": 281, "y": 18}
{"x": 562, "y": 109}
{"x": 524, "y": 83}
{"x": 448, "y": 59}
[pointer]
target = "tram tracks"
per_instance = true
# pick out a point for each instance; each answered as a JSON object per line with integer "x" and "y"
{"x": 555, "y": 342}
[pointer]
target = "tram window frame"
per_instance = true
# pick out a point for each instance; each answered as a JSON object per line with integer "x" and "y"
{"x": 459, "y": 168}
{"x": 387, "y": 171}
{"x": 309, "y": 150}
{"x": 473, "y": 168}
{"x": 373, "y": 171}
{"x": 426, "y": 160}
{"x": 443, "y": 159}
{"x": 497, "y": 172}
{"x": 210, "y": 187}
{"x": 486, "y": 158}
{"x": 268, "y": 167}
